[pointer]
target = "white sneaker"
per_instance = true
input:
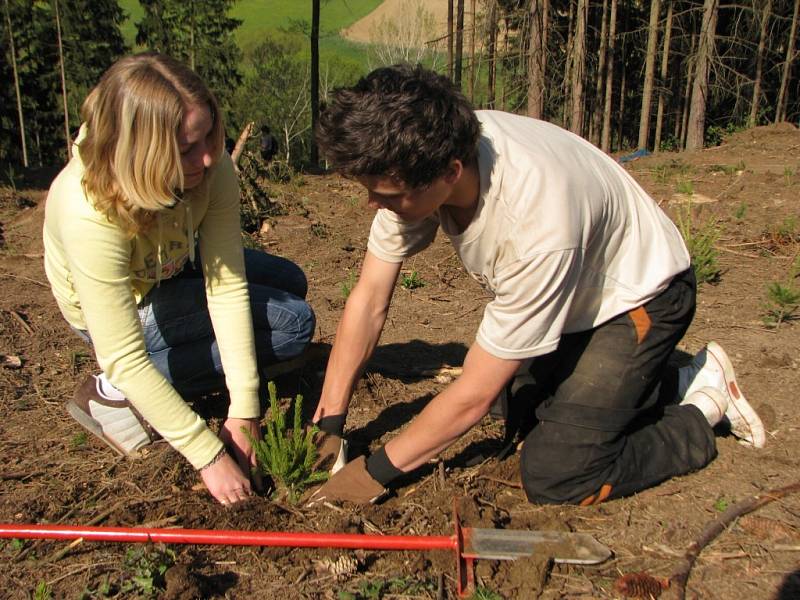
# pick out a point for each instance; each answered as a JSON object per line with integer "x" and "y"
{"x": 116, "y": 422}
{"x": 709, "y": 401}
{"x": 711, "y": 367}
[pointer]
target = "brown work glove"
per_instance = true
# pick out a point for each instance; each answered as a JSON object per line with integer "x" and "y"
{"x": 352, "y": 483}
{"x": 331, "y": 452}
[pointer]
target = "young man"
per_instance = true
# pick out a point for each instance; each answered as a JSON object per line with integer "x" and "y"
{"x": 592, "y": 291}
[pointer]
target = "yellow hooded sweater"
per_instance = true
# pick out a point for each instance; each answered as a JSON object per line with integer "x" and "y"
{"x": 99, "y": 275}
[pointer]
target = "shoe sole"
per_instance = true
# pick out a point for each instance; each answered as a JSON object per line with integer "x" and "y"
{"x": 94, "y": 427}
{"x": 738, "y": 402}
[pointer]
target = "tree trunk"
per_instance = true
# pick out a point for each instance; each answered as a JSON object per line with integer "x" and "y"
{"x": 662, "y": 90}
{"x": 752, "y": 121}
{"x": 783, "y": 97}
{"x": 67, "y": 136}
{"x": 605, "y": 136}
{"x": 680, "y": 126}
{"x": 472, "y": 55}
{"x": 16, "y": 87}
{"x": 313, "y": 151}
{"x": 506, "y": 37}
{"x": 695, "y": 130}
{"x": 568, "y": 67}
{"x": 459, "y": 42}
{"x": 622, "y": 83}
{"x": 578, "y": 62}
{"x": 649, "y": 74}
{"x": 537, "y": 59}
{"x": 492, "y": 52}
{"x": 191, "y": 36}
{"x": 450, "y": 39}
{"x": 597, "y": 113}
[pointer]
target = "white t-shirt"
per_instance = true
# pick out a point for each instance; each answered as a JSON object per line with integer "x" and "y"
{"x": 563, "y": 237}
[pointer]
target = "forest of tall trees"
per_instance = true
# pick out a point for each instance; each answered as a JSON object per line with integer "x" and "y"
{"x": 667, "y": 74}
{"x": 625, "y": 74}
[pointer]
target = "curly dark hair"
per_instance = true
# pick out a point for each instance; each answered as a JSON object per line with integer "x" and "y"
{"x": 401, "y": 121}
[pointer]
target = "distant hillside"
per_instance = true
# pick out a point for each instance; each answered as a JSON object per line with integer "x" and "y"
{"x": 261, "y": 16}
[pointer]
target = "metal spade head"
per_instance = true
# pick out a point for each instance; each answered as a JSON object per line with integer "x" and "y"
{"x": 510, "y": 544}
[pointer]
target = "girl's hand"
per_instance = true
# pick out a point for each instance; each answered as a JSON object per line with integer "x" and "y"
{"x": 225, "y": 481}
{"x": 234, "y": 434}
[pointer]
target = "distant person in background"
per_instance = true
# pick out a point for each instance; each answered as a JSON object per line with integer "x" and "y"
{"x": 269, "y": 144}
{"x": 143, "y": 251}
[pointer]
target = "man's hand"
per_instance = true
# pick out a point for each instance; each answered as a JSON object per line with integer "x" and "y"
{"x": 352, "y": 483}
{"x": 234, "y": 435}
{"x": 226, "y": 482}
{"x": 331, "y": 452}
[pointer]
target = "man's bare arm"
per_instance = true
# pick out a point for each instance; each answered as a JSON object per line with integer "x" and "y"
{"x": 460, "y": 406}
{"x": 358, "y": 333}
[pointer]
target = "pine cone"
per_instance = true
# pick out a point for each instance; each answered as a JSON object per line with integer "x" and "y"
{"x": 340, "y": 569}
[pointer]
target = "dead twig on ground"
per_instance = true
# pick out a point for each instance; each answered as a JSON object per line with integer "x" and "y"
{"x": 681, "y": 575}
{"x": 18, "y": 318}
{"x": 506, "y": 482}
{"x": 21, "y": 277}
{"x": 19, "y": 476}
{"x": 62, "y": 552}
{"x": 422, "y": 371}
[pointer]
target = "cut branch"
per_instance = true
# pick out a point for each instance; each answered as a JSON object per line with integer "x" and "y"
{"x": 713, "y": 529}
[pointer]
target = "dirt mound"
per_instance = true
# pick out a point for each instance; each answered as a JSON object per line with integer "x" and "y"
{"x": 781, "y": 137}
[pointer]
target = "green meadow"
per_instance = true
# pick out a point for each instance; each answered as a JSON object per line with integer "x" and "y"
{"x": 260, "y": 17}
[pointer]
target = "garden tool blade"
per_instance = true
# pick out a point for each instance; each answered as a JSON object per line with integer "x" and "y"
{"x": 510, "y": 544}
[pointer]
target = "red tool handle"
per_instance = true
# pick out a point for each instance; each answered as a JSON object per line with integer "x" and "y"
{"x": 230, "y": 537}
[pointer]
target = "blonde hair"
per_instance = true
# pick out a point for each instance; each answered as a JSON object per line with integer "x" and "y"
{"x": 130, "y": 153}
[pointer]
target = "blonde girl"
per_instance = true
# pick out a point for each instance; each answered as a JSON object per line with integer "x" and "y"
{"x": 144, "y": 256}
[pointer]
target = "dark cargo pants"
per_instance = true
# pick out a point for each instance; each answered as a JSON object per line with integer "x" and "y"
{"x": 608, "y": 425}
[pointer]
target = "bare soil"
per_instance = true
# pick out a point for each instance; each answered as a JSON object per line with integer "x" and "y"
{"x": 748, "y": 188}
{"x": 391, "y": 11}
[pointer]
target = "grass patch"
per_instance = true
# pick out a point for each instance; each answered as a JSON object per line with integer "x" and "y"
{"x": 685, "y": 186}
{"x": 411, "y": 281}
{"x": 261, "y": 18}
{"x": 397, "y": 587}
{"x": 665, "y": 172}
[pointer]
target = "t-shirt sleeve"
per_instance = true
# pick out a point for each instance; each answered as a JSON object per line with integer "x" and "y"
{"x": 227, "y": 292}
{"x": 99, "y": 263}
{"x": 531, "y": 304}
{"x": 393, "y": 240}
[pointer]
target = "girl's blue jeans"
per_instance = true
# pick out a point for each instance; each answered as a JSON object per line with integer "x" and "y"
{"x": 179, "y": 337}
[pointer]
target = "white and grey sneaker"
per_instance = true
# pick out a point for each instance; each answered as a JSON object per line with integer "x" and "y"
{"x": 711, "y": 367}
{"x": 116, "y": 422}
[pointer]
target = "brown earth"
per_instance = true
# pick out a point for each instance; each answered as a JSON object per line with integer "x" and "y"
{"x": 749, "y": 187}
{"x": 363, "y": 30}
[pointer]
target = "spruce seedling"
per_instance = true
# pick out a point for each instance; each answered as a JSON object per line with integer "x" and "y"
{"x": 783, "y": 303}
{"x": 700, "y": 244}
{"x": 288, "y": 456}
{"x": 348, "y": 284}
